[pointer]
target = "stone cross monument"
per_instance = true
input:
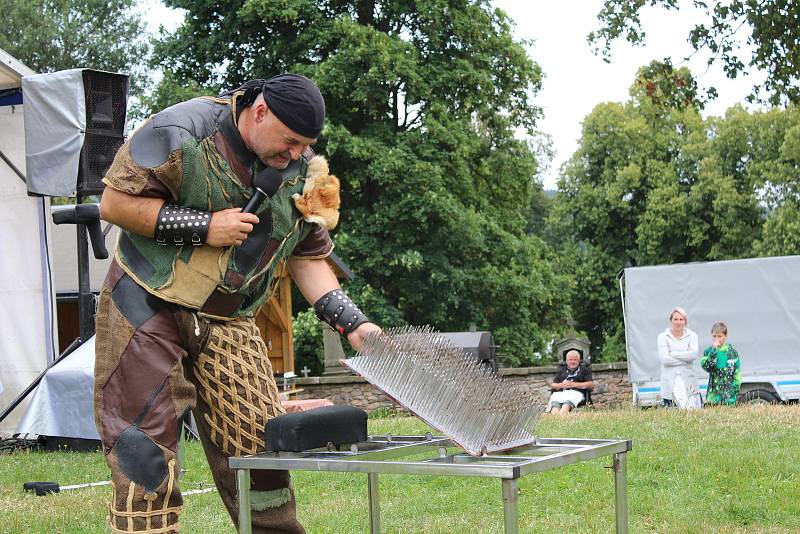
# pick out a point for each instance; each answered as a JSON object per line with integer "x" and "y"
{"x": 332, "y": 348}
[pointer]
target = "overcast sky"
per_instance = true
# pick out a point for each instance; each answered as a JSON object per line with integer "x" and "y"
{"x": 575, "y": 79}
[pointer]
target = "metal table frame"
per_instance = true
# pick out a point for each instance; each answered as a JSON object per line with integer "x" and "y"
{"x": 381, "y": 454}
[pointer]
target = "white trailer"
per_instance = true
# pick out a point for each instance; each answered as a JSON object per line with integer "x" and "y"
{"x": 759, "y": 300}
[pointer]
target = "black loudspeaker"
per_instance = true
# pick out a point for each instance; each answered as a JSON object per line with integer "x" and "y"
{"x": 106, "y": 96}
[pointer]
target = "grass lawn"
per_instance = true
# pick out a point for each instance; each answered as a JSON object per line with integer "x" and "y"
{"x": 711, "y": 471}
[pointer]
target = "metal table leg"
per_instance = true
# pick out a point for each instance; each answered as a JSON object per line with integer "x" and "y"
{"x": 243, "y": 488}
{"x": 181, "y": 451}
{"x": 621, "y": 492}
{"x": 510, "y": 500}
{"x": 374, "y": 504}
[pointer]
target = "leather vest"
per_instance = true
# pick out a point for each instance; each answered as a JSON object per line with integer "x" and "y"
{"x": 221, "y": 283}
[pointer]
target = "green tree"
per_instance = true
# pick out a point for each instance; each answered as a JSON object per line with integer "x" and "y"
{"x": 771, "y": 28}
{"x": 54, "y": 35}
{"x": 781, "y": 232}
{"x": 308, "y": 349}
{"x": 653, "y": 183}
{"x": 423, "y": 99}
{"x": 542, "y": 147}
{"x": 167, "y": 92}
{"x": 777, "y": 170}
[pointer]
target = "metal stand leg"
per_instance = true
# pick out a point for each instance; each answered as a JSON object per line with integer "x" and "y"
{"x": 374, "y": 504}
{"x": 621, "y": 492}
{"x": 510, "y": 499}
{"x": 181, "y": 451}
{"x": 243, "y": 488}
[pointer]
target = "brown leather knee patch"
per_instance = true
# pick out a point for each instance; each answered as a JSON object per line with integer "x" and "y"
{"x": 138, "y": 391}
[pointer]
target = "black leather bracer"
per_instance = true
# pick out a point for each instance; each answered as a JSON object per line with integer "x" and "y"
{"x": 179, "y": 226}
{"x": 336, "y": 309}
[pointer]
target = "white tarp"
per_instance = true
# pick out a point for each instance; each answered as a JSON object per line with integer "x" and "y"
{"x": 27, "y": 307}
{"x": 758, "y": 299}
{"x": 55, "y": 125}
{"x": 63, "y": 402}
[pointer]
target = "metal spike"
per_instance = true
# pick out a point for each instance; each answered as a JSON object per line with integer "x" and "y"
{"x": 444, "y": 386}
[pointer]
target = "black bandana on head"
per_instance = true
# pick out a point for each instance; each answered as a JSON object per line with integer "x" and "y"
{"x": 297, "y": 102}
{"x": 294, "y": 99}
{"x": 251, "y": 91}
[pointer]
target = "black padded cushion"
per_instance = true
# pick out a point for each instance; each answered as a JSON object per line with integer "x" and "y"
{"x": 316, "y": 428}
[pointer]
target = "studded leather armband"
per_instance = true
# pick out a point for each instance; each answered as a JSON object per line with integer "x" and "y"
{"x": 339, "y": 311}
{"x": 180, "y": 226}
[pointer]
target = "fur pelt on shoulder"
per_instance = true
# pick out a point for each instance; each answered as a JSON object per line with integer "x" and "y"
{"x": 320, "y": 201}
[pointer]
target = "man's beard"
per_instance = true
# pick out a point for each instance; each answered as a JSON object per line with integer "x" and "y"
{"x": 276, "y": 161}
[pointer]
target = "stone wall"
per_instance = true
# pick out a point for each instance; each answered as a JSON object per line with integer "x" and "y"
{"x": 611, "y": 386}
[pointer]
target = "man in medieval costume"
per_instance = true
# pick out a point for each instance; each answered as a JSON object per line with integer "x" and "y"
{"x": 175, "y": 323}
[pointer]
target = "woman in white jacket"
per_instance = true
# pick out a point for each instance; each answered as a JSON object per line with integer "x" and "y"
{"x": 678, "y": 350}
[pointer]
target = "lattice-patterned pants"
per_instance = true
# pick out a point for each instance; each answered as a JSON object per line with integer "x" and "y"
{"x": 154, "y": 363}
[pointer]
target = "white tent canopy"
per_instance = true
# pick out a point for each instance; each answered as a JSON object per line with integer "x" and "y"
{"x": 27, "y": 304}
{"x": 62, "y": 404}
{"x": 11, "y": 71}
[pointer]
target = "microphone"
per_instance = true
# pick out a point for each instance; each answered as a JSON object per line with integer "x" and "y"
{"x": 248, "y": 254}
{"x": 265, "y": 184}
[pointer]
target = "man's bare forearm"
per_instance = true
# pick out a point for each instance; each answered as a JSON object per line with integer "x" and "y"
{"x": 133, "y": 213}
{"x": 139, "y": 214}
{"x": 314, "y": 278}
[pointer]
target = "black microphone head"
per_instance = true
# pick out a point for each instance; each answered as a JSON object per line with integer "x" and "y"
{"x": 268, "y": 180}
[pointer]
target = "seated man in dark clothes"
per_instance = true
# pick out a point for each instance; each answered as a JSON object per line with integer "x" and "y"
{"x": 570, "y": 385}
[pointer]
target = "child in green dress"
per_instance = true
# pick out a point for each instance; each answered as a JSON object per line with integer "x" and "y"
{"x": 722, "y": 363}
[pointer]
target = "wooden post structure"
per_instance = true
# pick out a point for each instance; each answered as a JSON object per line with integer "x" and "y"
{"x": 274, "y": 319}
